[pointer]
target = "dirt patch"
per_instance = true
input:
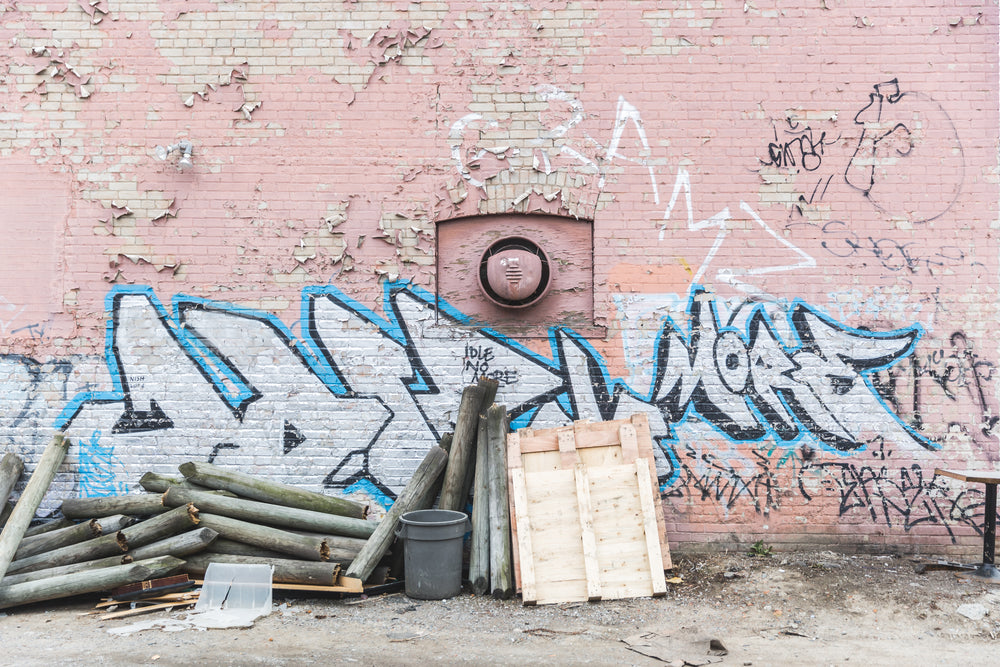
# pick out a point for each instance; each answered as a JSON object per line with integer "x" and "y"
{"x": 807, "y": 608}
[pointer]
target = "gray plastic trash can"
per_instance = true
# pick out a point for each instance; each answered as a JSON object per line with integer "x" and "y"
{"x": 432, "y": 545}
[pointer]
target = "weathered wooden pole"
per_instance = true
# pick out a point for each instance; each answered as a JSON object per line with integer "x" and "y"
{"x": 108, "y": 561}
{"x": 31, "y": 498}
{"x": 89, "y": 581}
{"x": 5, "y": 509}
{"x": 479, "y": 554}
{"x": 224, "y": 545}
{"x": 138, "y": 504}
{"x": 501, "y": 557}
{"x": 11, "y": 467}
{"x": 268, "y": 491}
{"x": 266, "y": 537}
{"x": 160, "y": 526}
{"x": 432, "y": 492}
{"x": 410, "y": 499}
{"x": 291, "y": 518}
{"x": 454, "y": 491}
{"x": 54, "y": 524}
{"x": 489, "y": 387}
{"x": 156, "y": 483}
{"x": 286, "y": 571}
{"x": 58, "y": 538}
{"x": 180, "y": 545}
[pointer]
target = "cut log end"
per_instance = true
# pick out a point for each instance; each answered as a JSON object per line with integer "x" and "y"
{"x": 324, "y": 551}
{"x": 193, "y": 514}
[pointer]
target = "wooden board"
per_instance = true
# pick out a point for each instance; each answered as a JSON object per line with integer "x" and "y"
{"x": 588, "y": 533}
{"x": 614, "y": 442}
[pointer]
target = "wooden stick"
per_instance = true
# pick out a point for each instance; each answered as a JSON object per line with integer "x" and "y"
{"x": 125, "y": 613}
{"x": 160, "y": 526}
{"x": 61, "y": 537}
{"x": 432, "y": 492}
{"x": 479, "y": 554}
{"x": 454, "y": 491}
{"x": 180, "y": 546}
{"x": 54, "y": 524}
{"x": 489, "y": 387}
{"x": 31, "y": 498}
{"x": 501, "y": 581}
{"x": 161, "y": 483}
{"x": 304, "y": 548}
{"x": 5, "y": 509}
{"x": 224, "y": 545}
{"x": 35, "y": 575}
{"x": 156, "y": 483}
{"x": 415, "y": 493}
{"x": 286, "y": 571}
{"x": 11, "y": 467}
{"x": 89, "y": 581}
{"x": 254, "y": 511}
{"x": 269, "y": 491}
{"x": 58, "y": 538}
{"x": 144, "y": 504}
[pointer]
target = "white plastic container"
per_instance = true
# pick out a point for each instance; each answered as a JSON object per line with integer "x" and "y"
{"x": 234, "y": 587}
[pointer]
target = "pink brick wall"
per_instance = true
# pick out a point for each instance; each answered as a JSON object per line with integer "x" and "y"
{"x": 793, "y": 215}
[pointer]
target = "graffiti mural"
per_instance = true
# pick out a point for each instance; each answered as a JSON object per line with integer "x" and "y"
{"x": 209, "y": 380}
{"x": 893, "y": 168}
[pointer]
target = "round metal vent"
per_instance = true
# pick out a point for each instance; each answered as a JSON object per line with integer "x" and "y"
{"x": 514, "y": 273}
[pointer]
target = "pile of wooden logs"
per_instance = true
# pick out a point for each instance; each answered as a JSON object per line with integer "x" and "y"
{"x": 209, "y": 514}
{"x": 179, "y": 525}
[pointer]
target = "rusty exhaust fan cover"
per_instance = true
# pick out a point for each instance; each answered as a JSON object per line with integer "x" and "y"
{"x": 514, "y": 273}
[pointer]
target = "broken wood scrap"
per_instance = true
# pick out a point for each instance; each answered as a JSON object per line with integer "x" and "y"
{"x": 89, "y": 581}
{"x": 182, "y": 596}
{"x": 479, "y": 552}
{"x": 145, "y": 609}
{"x": 156, "y": 528}
{"x": 501, "y": 572}
{"x": 151, "y": 588}
{"x": 416, "y": 492}
{"x": 275, "y": 539}
{"x": 454, "y": 491}
{"x": 255, "y": 488}
{"x": 137, "y": 504}
{"x": 290, "y": 518}
{"x": 24, "y": 511}
{"x": 286, "y": 571}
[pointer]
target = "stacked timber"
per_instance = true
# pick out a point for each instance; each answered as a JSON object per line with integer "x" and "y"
{"x": 178, "y": 525}
{"x": 210, "y": 514}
